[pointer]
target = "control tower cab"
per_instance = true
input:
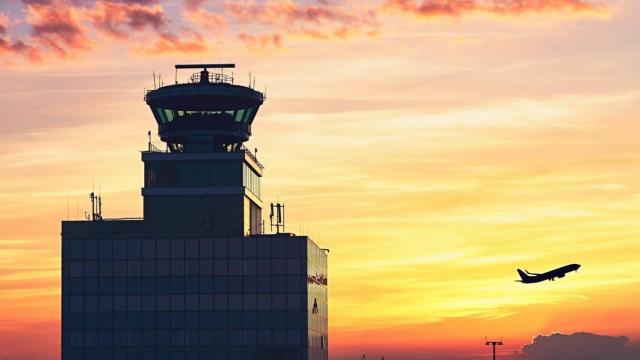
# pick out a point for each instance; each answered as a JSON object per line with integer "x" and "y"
{"x": 206, "y": 183}
{"x": 207, "y": 114}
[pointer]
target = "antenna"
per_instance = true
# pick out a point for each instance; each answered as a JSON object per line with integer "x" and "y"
{"x": 96, "y": 207}
{"x": 154, "y": 80}
{"x": 92, "y": 196}
{"x": 277, "y": 211}
{"x": 493, "y": 344}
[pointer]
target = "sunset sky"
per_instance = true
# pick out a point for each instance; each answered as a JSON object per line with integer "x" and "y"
{"x": 433, "y": 145}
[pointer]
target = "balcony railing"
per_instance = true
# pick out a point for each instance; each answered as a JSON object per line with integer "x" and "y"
{"x": 215, "y": 78}
{"x": 252, "y": 156}
{"x": 153, "y": 148}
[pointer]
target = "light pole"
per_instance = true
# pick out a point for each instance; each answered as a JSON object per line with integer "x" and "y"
{"x": 493, "y": 344}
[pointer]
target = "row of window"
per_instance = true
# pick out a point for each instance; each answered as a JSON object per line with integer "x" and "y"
{"x": 152, "y": 303}
{"x": 179, "y": 267}
{"x": 184, "y": 285}
{"x": 189, "y": 353}
{"x": 185, "y": 320}
{"x": 192, "y": 173}
{"x": 120, "y": 249}
{"x": 231, "y": 337}
{"x": 244, "y": 116}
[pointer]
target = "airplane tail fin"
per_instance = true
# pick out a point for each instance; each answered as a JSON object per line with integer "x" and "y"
{"x": 523, "y": 275}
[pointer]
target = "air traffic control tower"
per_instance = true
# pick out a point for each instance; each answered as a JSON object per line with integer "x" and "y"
{"x": 197, "y": 277}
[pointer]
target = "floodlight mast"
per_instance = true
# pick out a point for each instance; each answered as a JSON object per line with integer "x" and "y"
{"x": 493, "y": 344}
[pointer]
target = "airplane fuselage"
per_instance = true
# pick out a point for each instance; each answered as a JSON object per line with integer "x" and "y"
{"x": 530, "y": 278}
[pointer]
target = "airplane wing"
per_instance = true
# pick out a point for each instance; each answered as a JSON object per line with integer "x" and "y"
{"x": 530, "y": 273}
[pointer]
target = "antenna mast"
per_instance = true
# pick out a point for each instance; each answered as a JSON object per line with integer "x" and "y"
{"x": 277, "y": 210}
{"x": 96, "y": 207}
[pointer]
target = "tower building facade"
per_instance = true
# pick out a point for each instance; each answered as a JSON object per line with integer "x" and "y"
{"x": 197, "y": 277}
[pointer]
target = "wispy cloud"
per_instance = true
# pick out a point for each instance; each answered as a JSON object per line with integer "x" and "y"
{"x": 193, "y": 5}
{"x": 261, "y": 41}
{"x": 168, "y": 43}
{"x": 204, "y": 18}
{"x": 121, "y": 19}
{"x": 323, "y": 20}
{"x": 457, "y": 8}
{"x": 4, "y": 23}
{"x": 56, "y": 26}
{"x": 15, "y": 47}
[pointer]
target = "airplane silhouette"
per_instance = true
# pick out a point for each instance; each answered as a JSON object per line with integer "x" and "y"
{"x": 530, "y": 278}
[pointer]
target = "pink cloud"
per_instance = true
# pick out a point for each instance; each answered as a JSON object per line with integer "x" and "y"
{"x": 56, "y": 26}
{"x": 203, "y": 17}
{"x": 168, "y": 43}
{"x": 20, "y": 48}
{"x": 261, "y": 41}
{"x": 15, "y": 47}
{"x": 323, "y": 20}
{"x": 4, "y": 23}
{"x": 288, "y": 11}
{"x": 193, "y": 5}
{"x": 436, "y": 8}
{"x": 65, "y": 27}
{"x": 91, "y": 3}
{"x": 118, "y": 19}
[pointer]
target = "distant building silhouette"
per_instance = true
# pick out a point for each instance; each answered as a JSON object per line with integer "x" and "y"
{"x": 197, "y": 277}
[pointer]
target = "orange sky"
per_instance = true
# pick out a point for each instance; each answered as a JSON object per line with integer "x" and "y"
{"x": 433, "y": 146}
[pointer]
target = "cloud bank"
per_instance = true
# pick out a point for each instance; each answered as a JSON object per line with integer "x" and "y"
{"x": 580, "y": 346}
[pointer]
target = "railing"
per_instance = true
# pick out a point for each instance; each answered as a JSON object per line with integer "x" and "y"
{"x": 252, "y": 156}
{"x": 213, "y": 78}
{"x": 154, "y": 149}
{"x": 216, "y": 78}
